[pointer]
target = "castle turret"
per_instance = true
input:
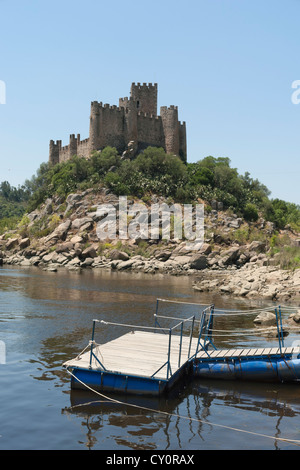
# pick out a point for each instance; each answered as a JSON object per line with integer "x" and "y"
{"x": 170, "y": 124}
{"x": 73, "y": 145}
{"x": 94, "y": 134}
{"x": 182, "y": 142}
{"x": 145, "y": 97}
{"x": 54, "y": 152}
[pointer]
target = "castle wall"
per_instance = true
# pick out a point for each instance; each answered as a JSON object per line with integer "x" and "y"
{"x": 112, "y": 127}
{"x": 83, "y": 148}
{"x": 150, "y": 131}
{"x": 64, "y": 154}
{"x": 106, "y": 127}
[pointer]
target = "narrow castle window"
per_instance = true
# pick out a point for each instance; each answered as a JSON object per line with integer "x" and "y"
{"x": 137, "y": 104}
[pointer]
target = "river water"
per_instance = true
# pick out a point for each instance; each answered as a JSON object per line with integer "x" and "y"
{"x": 46, "y": 319}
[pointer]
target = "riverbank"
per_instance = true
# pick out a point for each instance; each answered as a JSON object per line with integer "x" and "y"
{"x": 235, "y": 259}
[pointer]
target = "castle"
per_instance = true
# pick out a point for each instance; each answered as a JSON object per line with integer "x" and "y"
{"x": 133, "y": 125}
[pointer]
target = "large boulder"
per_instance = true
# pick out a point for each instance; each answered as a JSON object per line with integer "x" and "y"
{"x": 124, "y": 264}
{"x": 24, "y": 243}
{"x": 205, "y": 249}
{"x": 230, "y": 256}
{"x": 79, "y": 223}
{"x": 257, "y": 246}
{"x": 76, "y": 239}
{"x": 265, "y": 318}
{"x": 116, "y": 254}
{"x": 199, "y": 261}
{"x": 163, "y": 255}
{"x": 60, "y": 232}
{"x": 12, "y": 243}
{"x": 64, "y": 247}
{"x": 89, "y": 252}
{"x": 181, "y": 260}
{"x": 294, "y": 318}
{"x": 48, "y": 208}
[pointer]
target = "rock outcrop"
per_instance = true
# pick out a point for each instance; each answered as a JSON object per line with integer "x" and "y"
{"x": 63, "y": 234}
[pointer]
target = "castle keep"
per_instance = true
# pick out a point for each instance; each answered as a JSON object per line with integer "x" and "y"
{"x": 134, "y": 121}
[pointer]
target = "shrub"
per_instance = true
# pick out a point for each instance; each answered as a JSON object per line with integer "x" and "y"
{"x": 250, "y": 212}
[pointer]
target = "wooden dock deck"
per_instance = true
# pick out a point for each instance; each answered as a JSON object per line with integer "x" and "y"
{"x": 223, "y": 354}
{"x": 138, "y": 353}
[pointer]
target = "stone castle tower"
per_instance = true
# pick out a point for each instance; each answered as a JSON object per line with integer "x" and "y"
{"x": 134, "y": 121}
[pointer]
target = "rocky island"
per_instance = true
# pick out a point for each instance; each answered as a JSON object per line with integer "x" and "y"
{"x": 61, "y": 234}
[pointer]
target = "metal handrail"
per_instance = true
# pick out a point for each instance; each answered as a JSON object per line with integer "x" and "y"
{"x": 279, "y": 328}
{"x": 170, "y": 331}
{"x": 180, "y": 324}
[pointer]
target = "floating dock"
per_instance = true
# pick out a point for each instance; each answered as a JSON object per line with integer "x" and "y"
{"x": 146, "y": 360}
{"x": 150, "y": 360}
{"x": 136, "y": 362}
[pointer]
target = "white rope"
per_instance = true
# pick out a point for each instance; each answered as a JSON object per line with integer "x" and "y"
{"x": 231, "y": 312}
{"x": 206, "y": 306}
{"x": 289, "y": 306}
{"x": 131, "y": 326}
{"x": 184, "y": 303}
{"x": 228, "y": 313}
{"x": 78, "y": 355}
{"x": 177, "y": 318}
{"x": 253, "y": 332}
{"x": 292, "y": 441}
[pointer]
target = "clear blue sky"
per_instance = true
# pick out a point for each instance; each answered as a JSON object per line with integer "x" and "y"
{"x": 228, "y": 64}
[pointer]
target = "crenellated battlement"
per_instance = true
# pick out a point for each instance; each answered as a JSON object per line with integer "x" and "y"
{"x": 147, "y": 115}
{"x": 144, "y": 85}
{"x": 134, "y": 120}
{"x": 96, "y": 106}
{"x": 169, "y": 108}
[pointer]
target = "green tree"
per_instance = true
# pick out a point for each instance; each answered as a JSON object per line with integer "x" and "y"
{"x": 250, "y": 212}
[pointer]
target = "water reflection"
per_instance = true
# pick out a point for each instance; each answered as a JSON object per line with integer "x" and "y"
{"x": 154, "y": 423}
{"x": 136, "y": 420}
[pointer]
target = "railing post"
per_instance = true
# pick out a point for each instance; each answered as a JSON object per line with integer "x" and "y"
{"x": 202, "y": 321}
{"x": 169, "y": 352}
{"x": 278, "y": 332}
{"x": 281, "y": 329}
{"x": 180, "y": 344}
{"x": 155, "y": 315}
{"x": 191, "y": 336}
{"x": 92, "y": 342}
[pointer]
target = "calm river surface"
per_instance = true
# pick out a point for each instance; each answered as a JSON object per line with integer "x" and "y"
{"x": 46, "y": 319}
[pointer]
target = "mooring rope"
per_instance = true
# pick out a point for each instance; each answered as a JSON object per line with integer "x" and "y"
{"x": 113, "y": 400}
{"x": 223, "y": 311}
{"x": 227, "y": 312}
